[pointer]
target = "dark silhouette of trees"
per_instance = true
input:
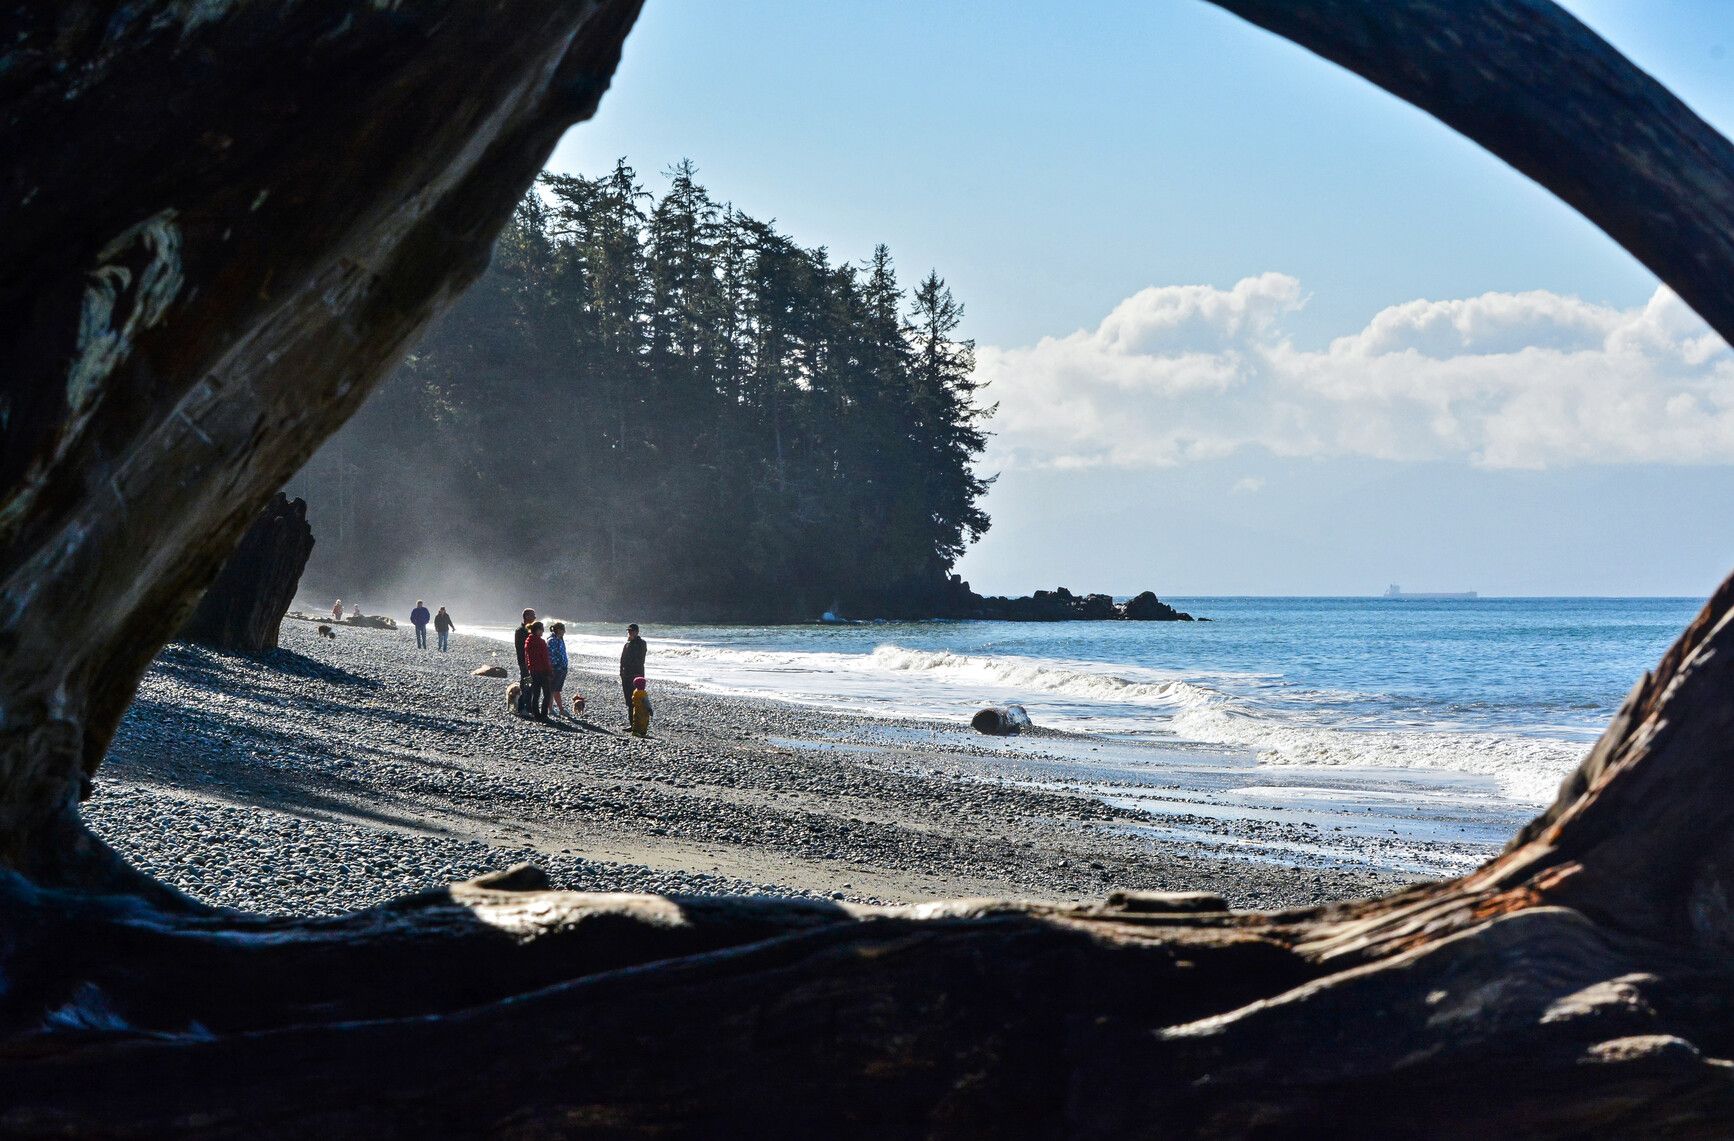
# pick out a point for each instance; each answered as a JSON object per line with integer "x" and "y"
{"x": 665, "y": 406}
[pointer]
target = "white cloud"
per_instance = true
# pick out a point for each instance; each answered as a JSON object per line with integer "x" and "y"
{"x": 1504, "y": 380}
{"x": 1247, "y": 485}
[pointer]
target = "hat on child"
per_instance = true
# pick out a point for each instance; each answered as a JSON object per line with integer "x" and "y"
{"x": 637, "y": 683}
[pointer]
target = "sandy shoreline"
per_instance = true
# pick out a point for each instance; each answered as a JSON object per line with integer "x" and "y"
{"x": 335, "y": 774}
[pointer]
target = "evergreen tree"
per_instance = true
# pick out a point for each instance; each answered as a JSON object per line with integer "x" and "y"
{"x": 666, "y": 407}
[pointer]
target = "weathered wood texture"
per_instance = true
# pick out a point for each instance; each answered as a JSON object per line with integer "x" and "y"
{"x": 223, "y": 223}
{"x": 1526, "y": 80}
{"x": 243, "y": 609}
{"x": 1578, "y": 985}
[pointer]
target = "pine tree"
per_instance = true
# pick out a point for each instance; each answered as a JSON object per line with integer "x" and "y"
{"x": 665, "y": 406}
{"x": 947, "y": 420}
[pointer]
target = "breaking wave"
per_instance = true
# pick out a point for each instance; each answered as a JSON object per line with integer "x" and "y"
{"x": 1287, "y": 727}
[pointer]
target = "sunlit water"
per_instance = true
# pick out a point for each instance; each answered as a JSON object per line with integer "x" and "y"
{"x": 1510, "y": 691}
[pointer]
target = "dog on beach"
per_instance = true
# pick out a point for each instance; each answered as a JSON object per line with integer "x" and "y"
{"x": 327, "y": 632}
{"x": 512, "y": 692}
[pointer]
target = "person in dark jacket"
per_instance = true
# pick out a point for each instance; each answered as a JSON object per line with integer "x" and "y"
{"x": 419, "y": 618}
{"x": 443, "y": 625}
{"x": 541, "y": 671}
{"x": 631, "y": 665}
{"x": 519, "y": 636}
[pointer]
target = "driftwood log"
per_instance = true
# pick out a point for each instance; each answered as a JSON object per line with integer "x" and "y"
{"x": 244, "y": 608}
{"x": 227, "y": 221}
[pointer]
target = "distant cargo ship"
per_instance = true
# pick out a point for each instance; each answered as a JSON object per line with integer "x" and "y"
{"x": 1395, "y": 591}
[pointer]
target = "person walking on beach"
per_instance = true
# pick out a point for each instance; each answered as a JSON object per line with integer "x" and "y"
{"x": 631, "y": 664}
{"x": 419, "y": 618}
{"x": 443, "y": 625}
{"x": 520, "y": 636}
{"x": 559, "y": 663}
{"x": 337, "y": 611}
{"x": 640, "y": 708}
{"x": 541, "y": 672}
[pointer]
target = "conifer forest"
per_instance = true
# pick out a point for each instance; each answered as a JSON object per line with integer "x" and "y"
{"x": 665, "y": 408}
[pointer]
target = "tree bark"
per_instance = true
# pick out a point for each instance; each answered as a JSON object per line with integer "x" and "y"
{"x": 243, "y": 609}
{"x": 1577, "y": 985}
{"x": 224, "y": 223}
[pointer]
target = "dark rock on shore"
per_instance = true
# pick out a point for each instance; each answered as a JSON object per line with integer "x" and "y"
{"x": 1000, "y": 720}
{"x": 951, "y": 597}
{"x": 1148, "y": 608}
{"x": 1061, "y": 605}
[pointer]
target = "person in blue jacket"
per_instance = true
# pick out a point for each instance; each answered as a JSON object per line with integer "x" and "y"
{"x": 561, "y": 664}
{"x": 419, "y": 618}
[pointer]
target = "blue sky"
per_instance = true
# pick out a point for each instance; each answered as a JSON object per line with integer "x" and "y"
{"x": 1398, "y": 360}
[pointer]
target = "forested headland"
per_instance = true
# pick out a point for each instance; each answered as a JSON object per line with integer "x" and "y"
{"x": 665, "y": 408}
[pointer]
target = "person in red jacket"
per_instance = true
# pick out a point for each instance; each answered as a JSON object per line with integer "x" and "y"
{"x": 541, "y": 669}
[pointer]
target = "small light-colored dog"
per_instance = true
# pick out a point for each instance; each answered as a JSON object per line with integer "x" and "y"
{"x": 512, "y": 692}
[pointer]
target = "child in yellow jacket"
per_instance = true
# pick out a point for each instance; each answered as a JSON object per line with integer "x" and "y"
{"x": 640, "y": 708}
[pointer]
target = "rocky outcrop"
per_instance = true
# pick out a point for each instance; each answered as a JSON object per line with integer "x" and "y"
{"x": 1147, "y": 607}
{"x": 1061, "y": 605}
{"x": 939, "y": 595}
{"x": 244, "y": 608}
{"x": 1058, "y": 605}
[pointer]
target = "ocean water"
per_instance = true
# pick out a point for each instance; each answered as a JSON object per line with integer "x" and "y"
{"x": 1507, "y": 691}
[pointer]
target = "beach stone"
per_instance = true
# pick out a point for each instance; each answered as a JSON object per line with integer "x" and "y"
{"x": 1000, "y": 720}
{"x": 519, "y": 877}
{"x": 488, "y": 671}
{"x": 1166, "y": 902}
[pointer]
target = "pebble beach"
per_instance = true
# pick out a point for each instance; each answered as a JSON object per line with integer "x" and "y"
{"x": 333, "y": 774}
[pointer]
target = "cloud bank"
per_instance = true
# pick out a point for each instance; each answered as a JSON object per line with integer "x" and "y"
{"x": 1504, "y": 380}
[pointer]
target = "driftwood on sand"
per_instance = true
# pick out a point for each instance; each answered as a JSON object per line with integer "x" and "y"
{"x": 199, "y": 297}
{"x": 244, "y": 608}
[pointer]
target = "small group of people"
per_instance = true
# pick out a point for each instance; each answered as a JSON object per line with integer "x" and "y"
{"x": 543, "y": 665}
{"x": 419, "y": 618}
{"x": 442, "y": 624}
